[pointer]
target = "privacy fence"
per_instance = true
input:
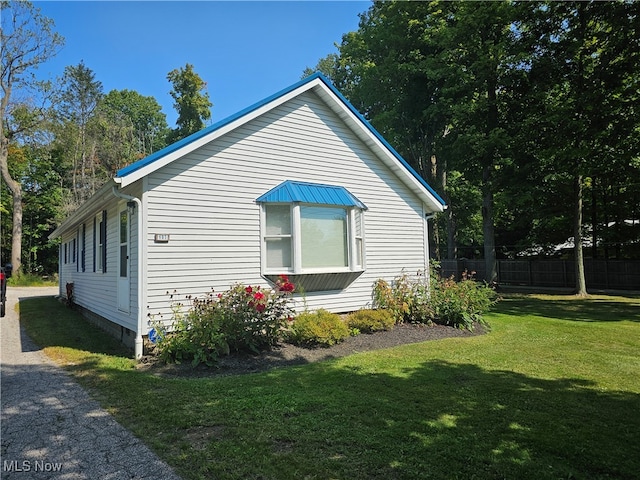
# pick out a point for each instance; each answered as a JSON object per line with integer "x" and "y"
{"x": 600, "y": 274}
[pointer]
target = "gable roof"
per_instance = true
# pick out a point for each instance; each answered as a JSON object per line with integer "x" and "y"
{"x": 332, "y": 97}
{"x": 305, "y": 192}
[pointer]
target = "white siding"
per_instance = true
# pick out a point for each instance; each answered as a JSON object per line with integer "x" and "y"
{"x": 206, "y": 203}
{"x": 97, "y": 290}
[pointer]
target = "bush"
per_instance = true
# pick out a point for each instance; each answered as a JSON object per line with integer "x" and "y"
{"x": 196, "y": 337}
{"x": 318, "y": 328}
{"x": 460, "y": 304}
{"x": 442, "y": 301}
{"x": 369, "y": 321}
{"x": 240, "y": 319}
{"x": 407, "y": 300}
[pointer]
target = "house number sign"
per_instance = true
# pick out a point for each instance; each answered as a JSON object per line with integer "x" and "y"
{"x": 161, "y": 238}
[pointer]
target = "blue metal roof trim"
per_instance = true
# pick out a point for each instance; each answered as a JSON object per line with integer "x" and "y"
{"x": 186, "y": 141}
{"x": 290, "y": 191}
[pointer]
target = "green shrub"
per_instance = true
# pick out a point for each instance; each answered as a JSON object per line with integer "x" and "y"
{"x": 406, "y": 299}
{"x": 196, "y": 337}
{"x": 461, "y": 304}
{"x": 369, "y": 321}
{"x": 318, "y": 328}
{"x": 240, "y": 319}
{"x": 442, "y": 301}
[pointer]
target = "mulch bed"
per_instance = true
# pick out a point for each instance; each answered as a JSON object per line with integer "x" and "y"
{"x": 287, "y": 354}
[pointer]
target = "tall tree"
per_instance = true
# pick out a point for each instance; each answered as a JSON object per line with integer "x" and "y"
{"x": 27, "y": 40}
{"x": 80, "y": 96}
{"x": 191, "y": 102}
{"x": 143, "y": 114}
{"x": 585, "y": 75}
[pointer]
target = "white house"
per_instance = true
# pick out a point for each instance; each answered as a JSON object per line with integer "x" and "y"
{"x": 298, "y": 184}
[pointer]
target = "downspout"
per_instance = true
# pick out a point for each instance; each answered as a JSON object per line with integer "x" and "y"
{"x": 141, "y": 255}
{"x": 427, "y": 269}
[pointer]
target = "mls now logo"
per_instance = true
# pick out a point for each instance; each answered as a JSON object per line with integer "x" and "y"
{"x": 29, "y": 466}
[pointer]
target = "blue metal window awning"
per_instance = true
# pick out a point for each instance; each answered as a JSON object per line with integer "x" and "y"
{"x": 315, "y": 193}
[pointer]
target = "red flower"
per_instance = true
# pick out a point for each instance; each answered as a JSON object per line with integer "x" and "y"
{"x": 287, "y": 287}
{"x": 248, "y": 289}
{"x": 260, "y": 307}
{"x": 258, "y": 296}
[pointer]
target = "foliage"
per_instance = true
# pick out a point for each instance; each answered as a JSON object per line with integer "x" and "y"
{"x": 507, "y": 103}
{"x": 318, "y": 328}
{"x": 406, "y": 299}
{"x": 142, "y": 115}
{"x": 191, "y": 102}
{"x": 33, "y": 280}
{"x": 461, "y": 304}
{"x": 27, "y": 40}
{"x": 196, "y": 336}
{"x": 443, "y": 301}
{"x": 369, "y": 320}
{"x": 240, "y": 319}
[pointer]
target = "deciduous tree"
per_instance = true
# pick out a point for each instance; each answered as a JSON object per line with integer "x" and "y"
{"x": 27, "y": 40}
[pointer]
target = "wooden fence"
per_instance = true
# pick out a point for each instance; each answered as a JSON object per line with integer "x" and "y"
{"x": 600, "y": 274}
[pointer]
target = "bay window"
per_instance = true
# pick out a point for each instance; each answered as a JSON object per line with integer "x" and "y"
{"x": 316, "y": 229}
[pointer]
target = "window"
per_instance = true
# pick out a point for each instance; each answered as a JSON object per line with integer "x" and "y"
{"x": 278, "y": 237}
{"x": 312, "y": 238}
{"x": 323, "y": 237}
{"x": 100, "y": 242}
{"x": 314, "y": 233}
{"x": 83, "y": 246}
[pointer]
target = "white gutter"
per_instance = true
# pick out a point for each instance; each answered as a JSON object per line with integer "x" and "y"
{"x": 141, "y": 256}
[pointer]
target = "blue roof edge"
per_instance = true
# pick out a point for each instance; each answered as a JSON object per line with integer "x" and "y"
{"x": 212, "y": 128}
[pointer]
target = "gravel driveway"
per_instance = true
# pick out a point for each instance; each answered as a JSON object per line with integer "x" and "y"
{"x": 51, "y": 428}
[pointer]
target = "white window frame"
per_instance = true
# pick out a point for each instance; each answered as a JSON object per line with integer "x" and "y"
{"x": 99, "y": 246}
{"x": 356, "y": 256}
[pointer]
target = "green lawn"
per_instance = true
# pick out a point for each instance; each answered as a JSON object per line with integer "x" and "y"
{"x": 553, "y": 391}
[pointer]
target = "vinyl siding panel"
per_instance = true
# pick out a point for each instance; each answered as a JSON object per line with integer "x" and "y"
{"x": 97, "y": 291}
{"x": 205, "y": 201}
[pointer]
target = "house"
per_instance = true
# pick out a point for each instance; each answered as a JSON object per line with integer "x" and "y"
{"x": 298, "y": 184}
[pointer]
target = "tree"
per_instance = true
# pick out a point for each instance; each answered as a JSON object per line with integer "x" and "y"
{"x": 27, "y": 40}
{"x": 143, "y": 114}
{"x": 193, "y": 106}
{"x": 431, "y": 77}
{"x": 81, "y": 94}
{"x": 585, "y": 85}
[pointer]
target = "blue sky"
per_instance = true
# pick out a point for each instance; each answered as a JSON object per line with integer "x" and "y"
{"x": 245, "y": 51}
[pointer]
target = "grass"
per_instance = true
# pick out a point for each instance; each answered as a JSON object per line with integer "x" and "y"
{"x": 553, "y": 391}
{"x": 32, "y": 280}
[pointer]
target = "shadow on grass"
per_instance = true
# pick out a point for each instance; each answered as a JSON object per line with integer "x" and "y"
{"x": 591, "y": 309}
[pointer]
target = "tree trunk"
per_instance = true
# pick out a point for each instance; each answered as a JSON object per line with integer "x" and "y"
{"x": 488, "y": 231}
{"x": 16, "y": 194}
{"x": 581, "y": 284}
